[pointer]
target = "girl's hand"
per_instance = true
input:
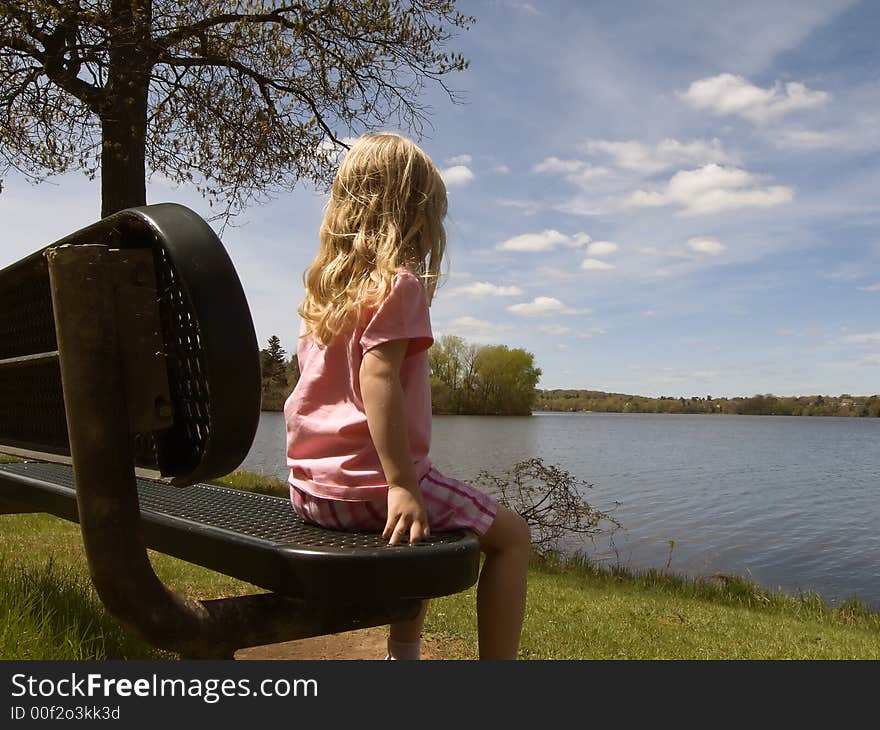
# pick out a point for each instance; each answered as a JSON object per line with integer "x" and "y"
{"x": 406, "y": 513}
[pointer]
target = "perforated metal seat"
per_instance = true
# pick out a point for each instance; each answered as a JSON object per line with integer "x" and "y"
{"x": 260, "y": 539}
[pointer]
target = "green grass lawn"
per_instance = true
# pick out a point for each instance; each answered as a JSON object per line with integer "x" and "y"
{"x": 48, "y": 609}
{"x": 576, "y": 611}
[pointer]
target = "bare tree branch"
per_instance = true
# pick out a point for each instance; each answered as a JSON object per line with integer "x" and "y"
{"x": 552, "y": 503}
{"x": 238, "y": 97}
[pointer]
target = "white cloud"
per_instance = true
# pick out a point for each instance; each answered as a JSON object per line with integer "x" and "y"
{"x": 457, "y": 175}
{"x": 692, "y": 250}
{"x": 674, "y": 375}
{"x": 646, "y": 199}
{"x": 654, "y": 251}
{"x": 460, "y": 160}
{"x": 806, "y": 138}
{"x": 558, "y": 330}
{"x": 706, "y": 244}
{"x": 602, "y": 248}
{"x": 872, "y": 287}
{"x": 554, "y": 329}
{"x": 711, "y": 189}
{"x": 332, "y": 151}
{"x": 870, "y": 360}
{"x": 473, "y": 327}
{"x": 727, "y": 94}
{"x": 580, "y": 205}
{"x": 481, "y": 289}
{"x": 785, "y": 332}
{"x": 539, "y": 307}
{"x": 554, "y": 164}
{"x": 870, "y": 338}
{"x": 585, "y": 176}
{"x": 554, "y": 272}
{"x": 501, "y": 169}
{"x": 666, "y": 154}
{"x": 575, "y": 171}
{"x": 649, "y": 313}
{"x": 596, "y": 265}
{"x": 524, "y": 8}
{"x": 528, "y": 207}
{"x": 547, "y": 240}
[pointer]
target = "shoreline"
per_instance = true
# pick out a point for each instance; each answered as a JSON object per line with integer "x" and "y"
{"x": 635, "y": 413}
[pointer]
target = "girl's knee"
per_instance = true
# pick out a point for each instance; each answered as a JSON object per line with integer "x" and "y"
{"x": 509, "y": 533}
{"x": 521, "y": 535}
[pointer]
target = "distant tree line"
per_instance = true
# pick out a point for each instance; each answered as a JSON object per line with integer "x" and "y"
{"x": 493, "y": 379}
{"x": 465, "y": 378}
{"x": 756, "y": 405}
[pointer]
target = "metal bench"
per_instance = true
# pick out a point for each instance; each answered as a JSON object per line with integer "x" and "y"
{"x": 129, "y": 372}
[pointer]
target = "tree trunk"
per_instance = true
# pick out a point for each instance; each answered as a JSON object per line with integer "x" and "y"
{"x": 124, "y": 120}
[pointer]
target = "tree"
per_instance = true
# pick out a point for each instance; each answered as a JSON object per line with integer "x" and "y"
{"x": 274, "y": 372}
{"x": 275, "y": 352}
{"x": 292, "y": 372}
{"x": 506, "y": 380}
{"x": 467, "y": 378}
{"x": 452, "y": 365}
{"x": 243, "y": 97}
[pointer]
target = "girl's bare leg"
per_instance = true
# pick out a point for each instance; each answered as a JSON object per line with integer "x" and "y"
{"x": 404, "y": 639}
{"x": 501, "y": 592}
{"x": 409, "y": 631}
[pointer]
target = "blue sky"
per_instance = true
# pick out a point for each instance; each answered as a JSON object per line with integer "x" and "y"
{"x": 662, "y": 198}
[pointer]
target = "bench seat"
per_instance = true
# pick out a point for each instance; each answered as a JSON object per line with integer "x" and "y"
{"x": 261, "y": 540}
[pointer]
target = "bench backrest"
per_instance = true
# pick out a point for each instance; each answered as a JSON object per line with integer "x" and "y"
{"x": 189, "y": 350}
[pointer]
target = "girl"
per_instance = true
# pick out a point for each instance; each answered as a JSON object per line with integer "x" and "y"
{"x": 359, "y": 419}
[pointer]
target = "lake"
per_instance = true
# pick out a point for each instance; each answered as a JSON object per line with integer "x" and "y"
{"x": 792, "y": 503}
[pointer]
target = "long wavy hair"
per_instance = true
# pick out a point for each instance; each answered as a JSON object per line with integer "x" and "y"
{"x": 386, "y": 211}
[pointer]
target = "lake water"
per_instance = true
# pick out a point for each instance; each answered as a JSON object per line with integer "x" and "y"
{"x": 792, "y": 503}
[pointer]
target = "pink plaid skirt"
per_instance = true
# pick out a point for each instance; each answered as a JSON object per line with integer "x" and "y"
{"x": 451, "y": 505}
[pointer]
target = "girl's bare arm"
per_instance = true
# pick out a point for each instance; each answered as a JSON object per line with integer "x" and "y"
{"x": 386, "y": 417}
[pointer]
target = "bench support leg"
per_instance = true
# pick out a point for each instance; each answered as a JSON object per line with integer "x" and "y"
{"x": 106, "y": 491}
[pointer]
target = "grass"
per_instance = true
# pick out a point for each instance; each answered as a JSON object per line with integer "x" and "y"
{"x": 51, "y": 612}
{"x": 48, "y": 608}
{"x": 576, "y": 610}
{"x": 249, "y": 482}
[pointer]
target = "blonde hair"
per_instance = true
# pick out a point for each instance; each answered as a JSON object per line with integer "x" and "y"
{"x": 385, "y": 213}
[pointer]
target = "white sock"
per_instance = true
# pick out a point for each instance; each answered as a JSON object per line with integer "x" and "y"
{"x": 404, "y": 649}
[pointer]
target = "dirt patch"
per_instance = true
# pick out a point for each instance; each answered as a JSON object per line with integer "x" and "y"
{"x": 365, "y": 644}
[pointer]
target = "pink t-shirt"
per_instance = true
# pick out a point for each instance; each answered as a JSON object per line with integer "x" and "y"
{"x": 329, "y": 448}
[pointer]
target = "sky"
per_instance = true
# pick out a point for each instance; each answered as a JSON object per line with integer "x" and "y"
{"x": 657, "y": 198}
